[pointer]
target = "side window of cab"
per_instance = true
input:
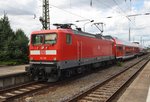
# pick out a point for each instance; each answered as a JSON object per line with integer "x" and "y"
{"x": 68, "y": 39}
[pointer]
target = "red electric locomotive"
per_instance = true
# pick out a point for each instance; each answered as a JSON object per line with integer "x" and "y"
{"x": 64, "y": 49}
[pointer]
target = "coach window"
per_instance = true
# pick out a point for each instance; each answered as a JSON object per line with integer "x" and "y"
{"x": 68, "y": 39}
{"x": 120, "y": 48}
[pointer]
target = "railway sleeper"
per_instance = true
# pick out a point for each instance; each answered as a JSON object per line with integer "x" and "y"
{"x": 97, "y": 96}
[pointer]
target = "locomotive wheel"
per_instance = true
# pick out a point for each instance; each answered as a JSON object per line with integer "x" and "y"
{"x": 54, "y": 76}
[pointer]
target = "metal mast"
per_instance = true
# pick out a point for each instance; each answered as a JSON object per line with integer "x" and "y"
{"x": 45, "y": 20}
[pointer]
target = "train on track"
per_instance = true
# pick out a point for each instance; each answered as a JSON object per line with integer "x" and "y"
{"x": 67, "y": 51}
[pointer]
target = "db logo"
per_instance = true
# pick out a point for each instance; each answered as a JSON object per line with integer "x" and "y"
{"x": 42, "y": 52}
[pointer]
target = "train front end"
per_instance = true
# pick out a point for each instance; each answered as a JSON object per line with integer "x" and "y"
{"x": 43, "y": 56}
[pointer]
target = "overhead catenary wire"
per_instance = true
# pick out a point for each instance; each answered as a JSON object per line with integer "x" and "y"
{"x": 121, "y": 10}
{"x": 82, "y": 16}
{"x": 88, "y": 18}
{"x": 108, "y": 6}
{"x": 105, "y": 5}
{"x": 128, "y": 6}
{"x": 124, "y": 12}
{"x": 68, "y": 12}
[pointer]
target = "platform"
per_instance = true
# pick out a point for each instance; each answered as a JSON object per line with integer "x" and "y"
{"x": 13, "y": 75}
{"x": 139, "y": 90}
{"x": 7, "y": 70}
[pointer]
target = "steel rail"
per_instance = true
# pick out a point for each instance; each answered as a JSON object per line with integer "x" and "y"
{"x": 12, "y": 93}
{"x": 103, "y": 95}
{"x": 15, "y": 92}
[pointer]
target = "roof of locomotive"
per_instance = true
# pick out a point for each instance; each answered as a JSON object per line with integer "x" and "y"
{"x": 70, "y": 31}
{"x": 51, "y": 31}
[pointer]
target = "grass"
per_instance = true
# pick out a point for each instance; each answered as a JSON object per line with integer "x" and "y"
{"x": 120, "y": 64}
{"x": 8, "y": 63}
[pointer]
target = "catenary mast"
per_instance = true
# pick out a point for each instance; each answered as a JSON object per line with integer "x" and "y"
{"x": 45, "y": 19}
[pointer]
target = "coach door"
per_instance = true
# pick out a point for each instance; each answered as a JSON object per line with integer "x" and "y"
{"x": 79, "y": 50}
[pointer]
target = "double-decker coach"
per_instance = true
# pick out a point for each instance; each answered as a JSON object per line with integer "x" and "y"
{"x": 124, "y": 49}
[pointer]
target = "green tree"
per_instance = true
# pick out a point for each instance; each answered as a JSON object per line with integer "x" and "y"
{"x": 13, "y": 45}
{"x": 6, "y": 36}
{"x": 21, "y": 42}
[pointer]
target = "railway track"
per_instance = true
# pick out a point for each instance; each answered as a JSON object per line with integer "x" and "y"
{"x": 108, "y": 89}
{"x": 16, "y": 92}
{"x": 12, "y": 93}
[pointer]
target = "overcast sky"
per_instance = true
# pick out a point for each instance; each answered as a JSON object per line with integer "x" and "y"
{"x": 21, "y": 15}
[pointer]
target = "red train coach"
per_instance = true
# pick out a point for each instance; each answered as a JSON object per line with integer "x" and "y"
{"x": 124, "y": 49}
{"x": 52, "y": 51}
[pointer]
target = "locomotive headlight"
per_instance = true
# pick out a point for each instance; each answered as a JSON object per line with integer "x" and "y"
{"x": 42, "y": 47}
{"x": 54, "y": 59}
{"x": 31, "y": 58}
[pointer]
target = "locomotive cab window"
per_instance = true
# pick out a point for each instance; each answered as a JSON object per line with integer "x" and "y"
{"x": 44, "y": 39}
{"x": 37, "y": 39}
{"x": 50, "y": 38}
{"x": 68, "y": 39}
